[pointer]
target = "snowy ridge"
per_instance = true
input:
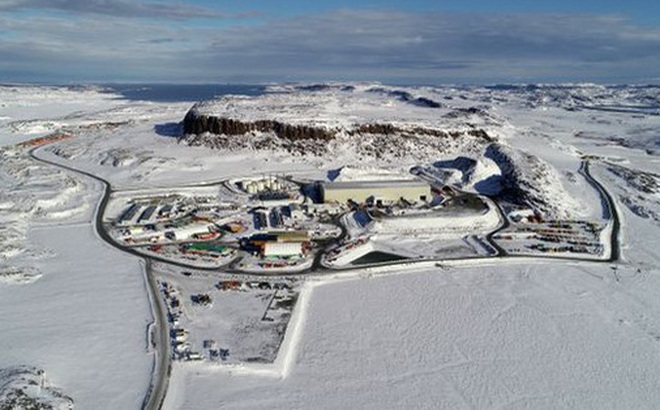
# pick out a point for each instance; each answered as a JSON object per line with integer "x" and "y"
{"x": 377, "y": 122}
{"x": 640, "y": 191}
{"x": 24, "y": 387}
{"x": 586, "y": 96}
{"x": 530, "y": 180}
{"x": 329, "y": 107}
{"x": 481, "y": 175}
{"x": 33, "y": 194}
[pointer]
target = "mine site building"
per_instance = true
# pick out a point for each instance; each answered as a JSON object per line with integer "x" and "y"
{"x": 380, "y": 191}
{"x": 191, "y": 231}
{"x": 282, "y": 249}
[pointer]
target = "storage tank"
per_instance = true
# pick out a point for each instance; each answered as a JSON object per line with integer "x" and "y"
{"x": 268, "y": 183}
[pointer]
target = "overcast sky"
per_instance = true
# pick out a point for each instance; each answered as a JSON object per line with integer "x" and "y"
{"x": 406, "y": 42}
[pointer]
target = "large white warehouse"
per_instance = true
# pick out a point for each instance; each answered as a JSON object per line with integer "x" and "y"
{"x": 384, "y": 191}
{"x": 283, "y": 249}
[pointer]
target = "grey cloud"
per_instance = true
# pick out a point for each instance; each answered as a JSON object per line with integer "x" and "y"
{"x": 121, "y": 8}
{"x": 159, "y": 41}
{"x": 469, "y": 44}
{"x": 425, "y": 38}
{"x": 372, "y": 45}
{"x": 110, "y": 49}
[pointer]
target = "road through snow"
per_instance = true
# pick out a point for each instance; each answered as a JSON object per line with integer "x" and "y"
{"x": 162, "y": 366}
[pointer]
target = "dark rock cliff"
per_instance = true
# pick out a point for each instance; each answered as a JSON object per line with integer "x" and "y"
{"x": 367, "y": 141}
{"x": 194, "y": 123}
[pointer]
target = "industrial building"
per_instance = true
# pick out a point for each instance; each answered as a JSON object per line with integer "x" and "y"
{"x": 270, "y": 183}
{"x": 282, "y": 249}
{"x": 381, "y": 191}
{"x": 282, "y": 244}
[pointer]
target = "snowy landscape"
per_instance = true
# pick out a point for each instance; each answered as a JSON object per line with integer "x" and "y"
{"x": 339, "y": 245}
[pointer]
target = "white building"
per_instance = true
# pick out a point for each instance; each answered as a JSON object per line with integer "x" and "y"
{"x": 283, "y": 248}
{"x": 270, "y": 183}
{"x": 191, "y": 230}
{"x": 384, "y": 191}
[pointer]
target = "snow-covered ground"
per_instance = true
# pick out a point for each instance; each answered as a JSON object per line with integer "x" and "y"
{"x": 505, "y": 333}
{"x": 520, "y": 336}
{"x": 71, "y": 306}
{"x": 84, "y": 322}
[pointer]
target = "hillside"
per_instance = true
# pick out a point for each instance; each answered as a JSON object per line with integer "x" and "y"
{"x": 378, "y": 124}
{"x": 372, "y": 122}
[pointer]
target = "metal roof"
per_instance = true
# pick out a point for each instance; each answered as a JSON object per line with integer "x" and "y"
{"x": 393, "y": 183}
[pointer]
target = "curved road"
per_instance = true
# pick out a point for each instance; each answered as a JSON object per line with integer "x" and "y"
{"x": 610, "y": 213}
{"x": 501, "y": 252}
{"x": 160, "y": 378}
{"x": 606, "y": 198}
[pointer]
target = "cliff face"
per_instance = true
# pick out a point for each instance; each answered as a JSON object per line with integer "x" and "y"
{"x": 195, "y": 123}
{"x": 375, "y": 139}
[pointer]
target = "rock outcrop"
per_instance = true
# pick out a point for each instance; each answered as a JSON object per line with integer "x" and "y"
{"x": 26, "y": 387}
{"x": 195, "y": 123}
{"x": 527, "y": 180}
{"x": 329, "y": 121}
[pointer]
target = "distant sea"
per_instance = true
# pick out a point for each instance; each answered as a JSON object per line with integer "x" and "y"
{"x": 182, "y": 92}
